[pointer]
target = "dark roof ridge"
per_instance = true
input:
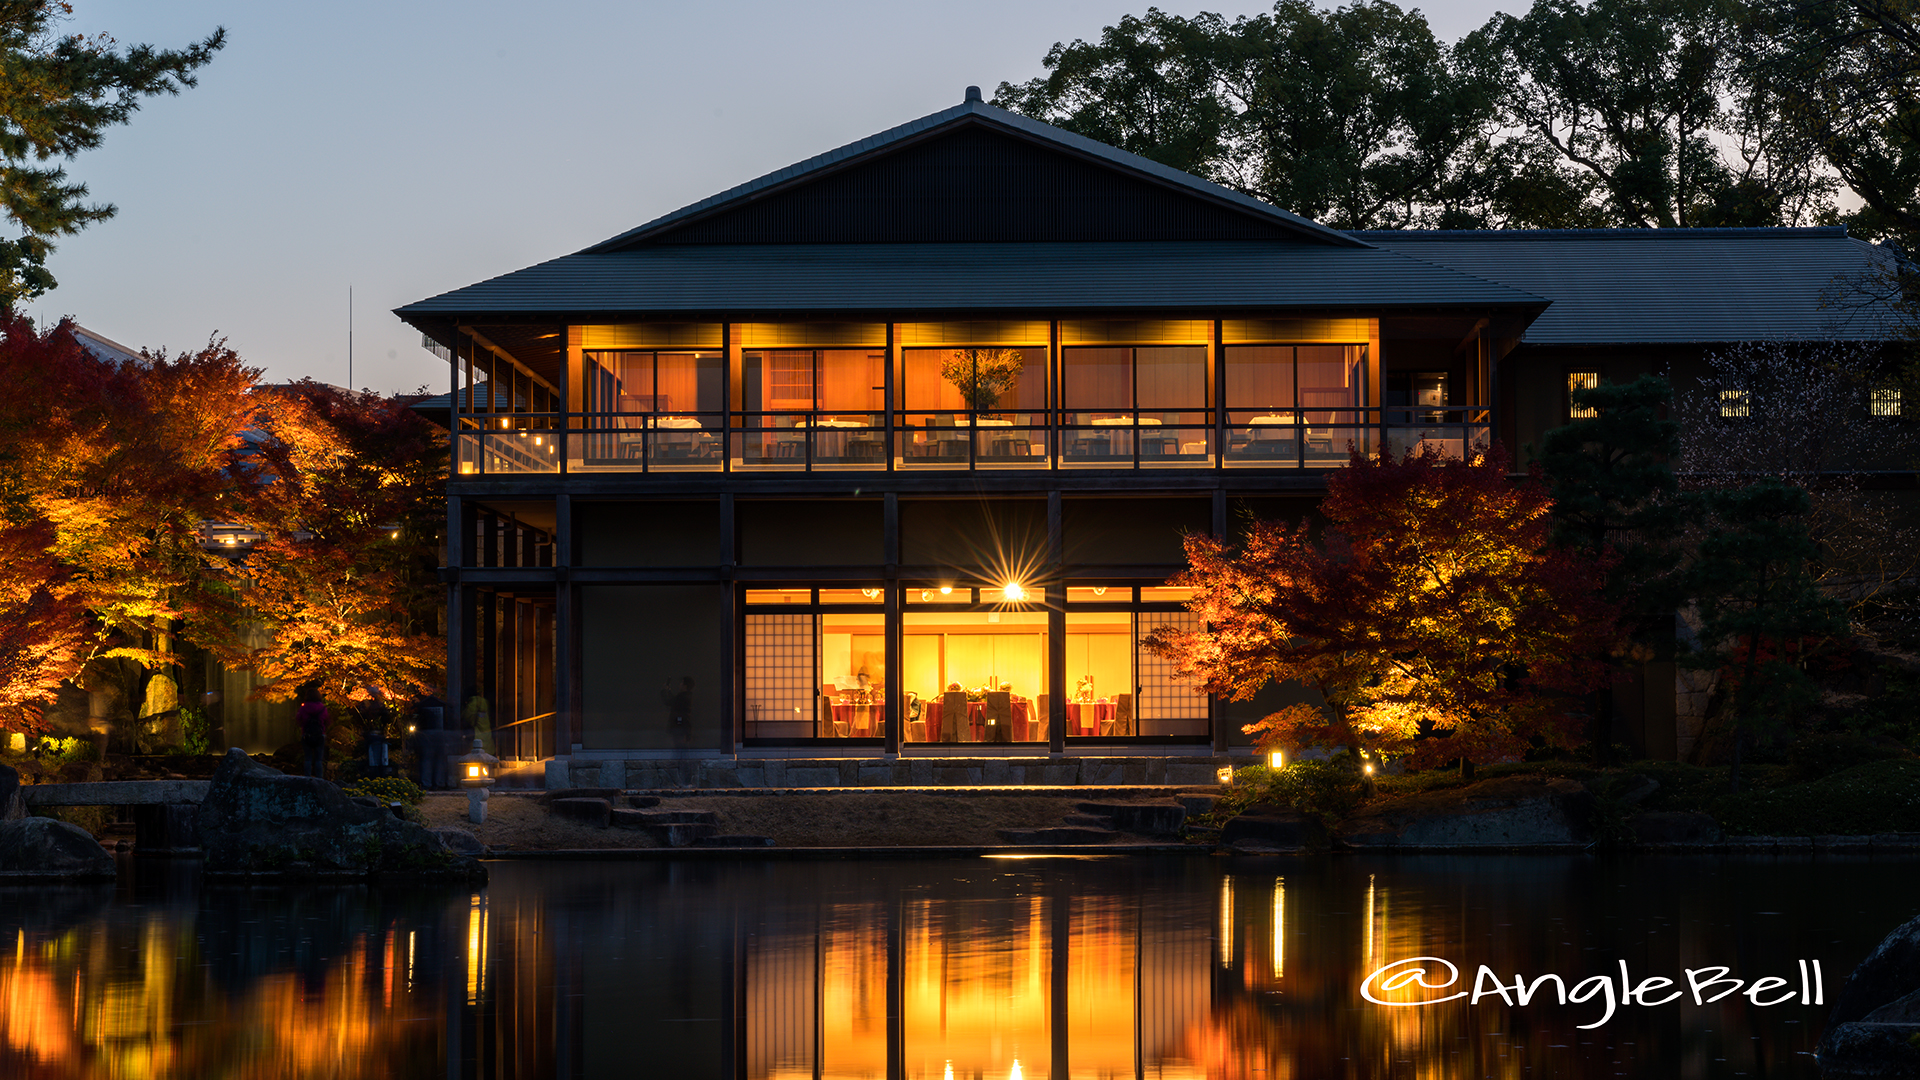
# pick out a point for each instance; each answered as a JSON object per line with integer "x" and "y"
{"x": 1808, "y": 232}
{"x": 979, "y": 112}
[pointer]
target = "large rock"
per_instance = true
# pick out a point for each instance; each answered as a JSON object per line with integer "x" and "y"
{"x": 258, "y": 820}
{"x": 460, "y": 841}
{"x": 1874, "y": 1023}
{"x": 12, "y": 806}
{"x": 45, "y": 848}
{"x": 1517, "y": 811}
{"x": 1276, "y": 831}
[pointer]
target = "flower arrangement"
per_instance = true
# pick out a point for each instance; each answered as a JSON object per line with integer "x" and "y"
{"x": 982, "y": 375}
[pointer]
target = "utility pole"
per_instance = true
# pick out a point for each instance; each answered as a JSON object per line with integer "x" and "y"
{"x": 349, "y": 339}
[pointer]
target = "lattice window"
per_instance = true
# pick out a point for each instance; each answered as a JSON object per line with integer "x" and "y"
{"x": 1581, "y": 380}
{"x": 1885, "y": 401}
{"x": 1735, "y": 404}
{"x": 1162, "y": 696}
{"x": 779, "y": 676}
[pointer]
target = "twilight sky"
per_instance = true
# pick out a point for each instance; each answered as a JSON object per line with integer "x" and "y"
{"x": 407, "y": 148}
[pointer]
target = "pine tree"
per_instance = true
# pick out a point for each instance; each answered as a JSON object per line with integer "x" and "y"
{"x": 58, "y": 94}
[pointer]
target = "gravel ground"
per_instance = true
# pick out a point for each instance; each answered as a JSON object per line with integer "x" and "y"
{"x": 837, "y": 820}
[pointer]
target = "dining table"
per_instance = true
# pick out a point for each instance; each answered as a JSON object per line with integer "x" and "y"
{"x": 833, "y": 435}
{"x": 1090, "y": 717}
{"x": 1026, "y": 727}
{"x": 856, "y": 720}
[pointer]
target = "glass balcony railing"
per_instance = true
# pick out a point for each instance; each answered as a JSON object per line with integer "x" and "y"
{"x": 1314, "y": 438}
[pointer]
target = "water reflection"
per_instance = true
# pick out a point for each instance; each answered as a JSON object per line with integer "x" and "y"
{"x": 979, "y": 969}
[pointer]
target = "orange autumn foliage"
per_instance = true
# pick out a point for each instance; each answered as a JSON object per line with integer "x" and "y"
{"x": 1431, "y": 606}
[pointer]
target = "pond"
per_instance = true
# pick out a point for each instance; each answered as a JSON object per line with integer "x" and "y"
{"x": 1009, "y": 969}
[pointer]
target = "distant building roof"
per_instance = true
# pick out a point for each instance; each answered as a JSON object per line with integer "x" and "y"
{"x": 1628, "y": 286}
{"x": 103, "y": 347}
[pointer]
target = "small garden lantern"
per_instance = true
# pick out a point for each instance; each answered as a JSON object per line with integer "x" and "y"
{"x": 476, "y": 775}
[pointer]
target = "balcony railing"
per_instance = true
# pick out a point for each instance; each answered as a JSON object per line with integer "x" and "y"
{"x": 519, "y": 444}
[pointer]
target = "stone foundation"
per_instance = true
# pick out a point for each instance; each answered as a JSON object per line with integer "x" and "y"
{"x": 639, "y": 774}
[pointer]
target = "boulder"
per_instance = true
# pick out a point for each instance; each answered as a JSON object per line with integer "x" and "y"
{"x": 1875, "y": 1022}
{"x": 460, "y": 841}
{"x": 258, "y": 820}
{"x": 1275, "y": 831}
{"x": 12, "y": 806}
{"x": 1674, "y": 827}
{"x": 1515, "y": 811}
{"x": 44, "y": 848}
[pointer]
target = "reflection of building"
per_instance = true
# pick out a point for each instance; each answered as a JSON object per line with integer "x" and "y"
{"x": 934, "y": 409}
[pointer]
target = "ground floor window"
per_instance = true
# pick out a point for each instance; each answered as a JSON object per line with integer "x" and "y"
{"x": 973, "y": 667}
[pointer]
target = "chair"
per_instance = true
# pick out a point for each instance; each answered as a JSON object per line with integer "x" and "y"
{"x": 916, "y": 729}
{"x": 954, "y": 726}
{"x": 999, "y": 716}
{"x": 1122, "y": 715}
{"x": 1037, "y": 721}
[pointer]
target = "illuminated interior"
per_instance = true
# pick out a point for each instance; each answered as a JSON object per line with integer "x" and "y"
{"x": 974, "y": 665}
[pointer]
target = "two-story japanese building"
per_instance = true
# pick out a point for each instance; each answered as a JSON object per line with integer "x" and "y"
{"x": 890, "y": 453}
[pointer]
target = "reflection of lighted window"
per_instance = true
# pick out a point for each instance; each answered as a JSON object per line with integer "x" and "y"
{"x": 1735, "y": 404}
{"x": 476, "y": 950}
{"x": 1279, "y": 927}
{"x": 1885, "y": 401}
{"x": 1226, "y": 922}
{"x": 1580, "y": 380}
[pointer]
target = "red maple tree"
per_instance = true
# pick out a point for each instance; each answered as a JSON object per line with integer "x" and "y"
{"x": 344, "y": 583}
{"x": 1430, "y": 616}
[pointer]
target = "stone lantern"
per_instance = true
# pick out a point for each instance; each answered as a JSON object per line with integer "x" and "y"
{"x": 476, "y": 775}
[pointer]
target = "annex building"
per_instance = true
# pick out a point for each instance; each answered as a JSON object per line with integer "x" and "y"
{"x": 888, "y": 454}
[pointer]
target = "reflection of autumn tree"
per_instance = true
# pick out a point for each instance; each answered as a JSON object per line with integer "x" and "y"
{"x": 1431, "y": 604}
{"x": 344, "y": 581}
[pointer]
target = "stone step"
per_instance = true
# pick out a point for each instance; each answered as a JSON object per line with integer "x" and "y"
{"x": 734, "y": 840}
{"x": 595, "y": 812}
{"x": 608, "y": 794}
{"x": 639, "y": 819}
{"x": 643, "y": 801}
{"x": 1063, "y": 835}
{"x": 681, "y": 834}
{"x": 1089, "y": 821}
{"x": 1198, "y": 805}
{"x": 1145, "y": 819}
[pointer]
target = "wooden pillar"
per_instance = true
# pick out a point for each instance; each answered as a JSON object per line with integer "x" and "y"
{"x": 732, "y": 688}
{"x": 459, "y": 534}
{"x": 1216, "y": 710}
{"x": 890, "y": 711}
{"x": 1056, "y": 630}
{"x": 490, "y": 682}
{"x": 566, "y": 640}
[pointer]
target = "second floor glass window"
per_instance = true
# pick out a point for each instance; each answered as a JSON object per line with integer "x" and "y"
{"x": 629, "y": 382}
{"x": 851, "y": 381}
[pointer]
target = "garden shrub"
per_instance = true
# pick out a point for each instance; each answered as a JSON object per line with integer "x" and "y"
{"x": 387, "y": 789}
{"x": 1878, "y": 797}
{"x": 1823, "y": 755}
{"x": 1327, "y": 789}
